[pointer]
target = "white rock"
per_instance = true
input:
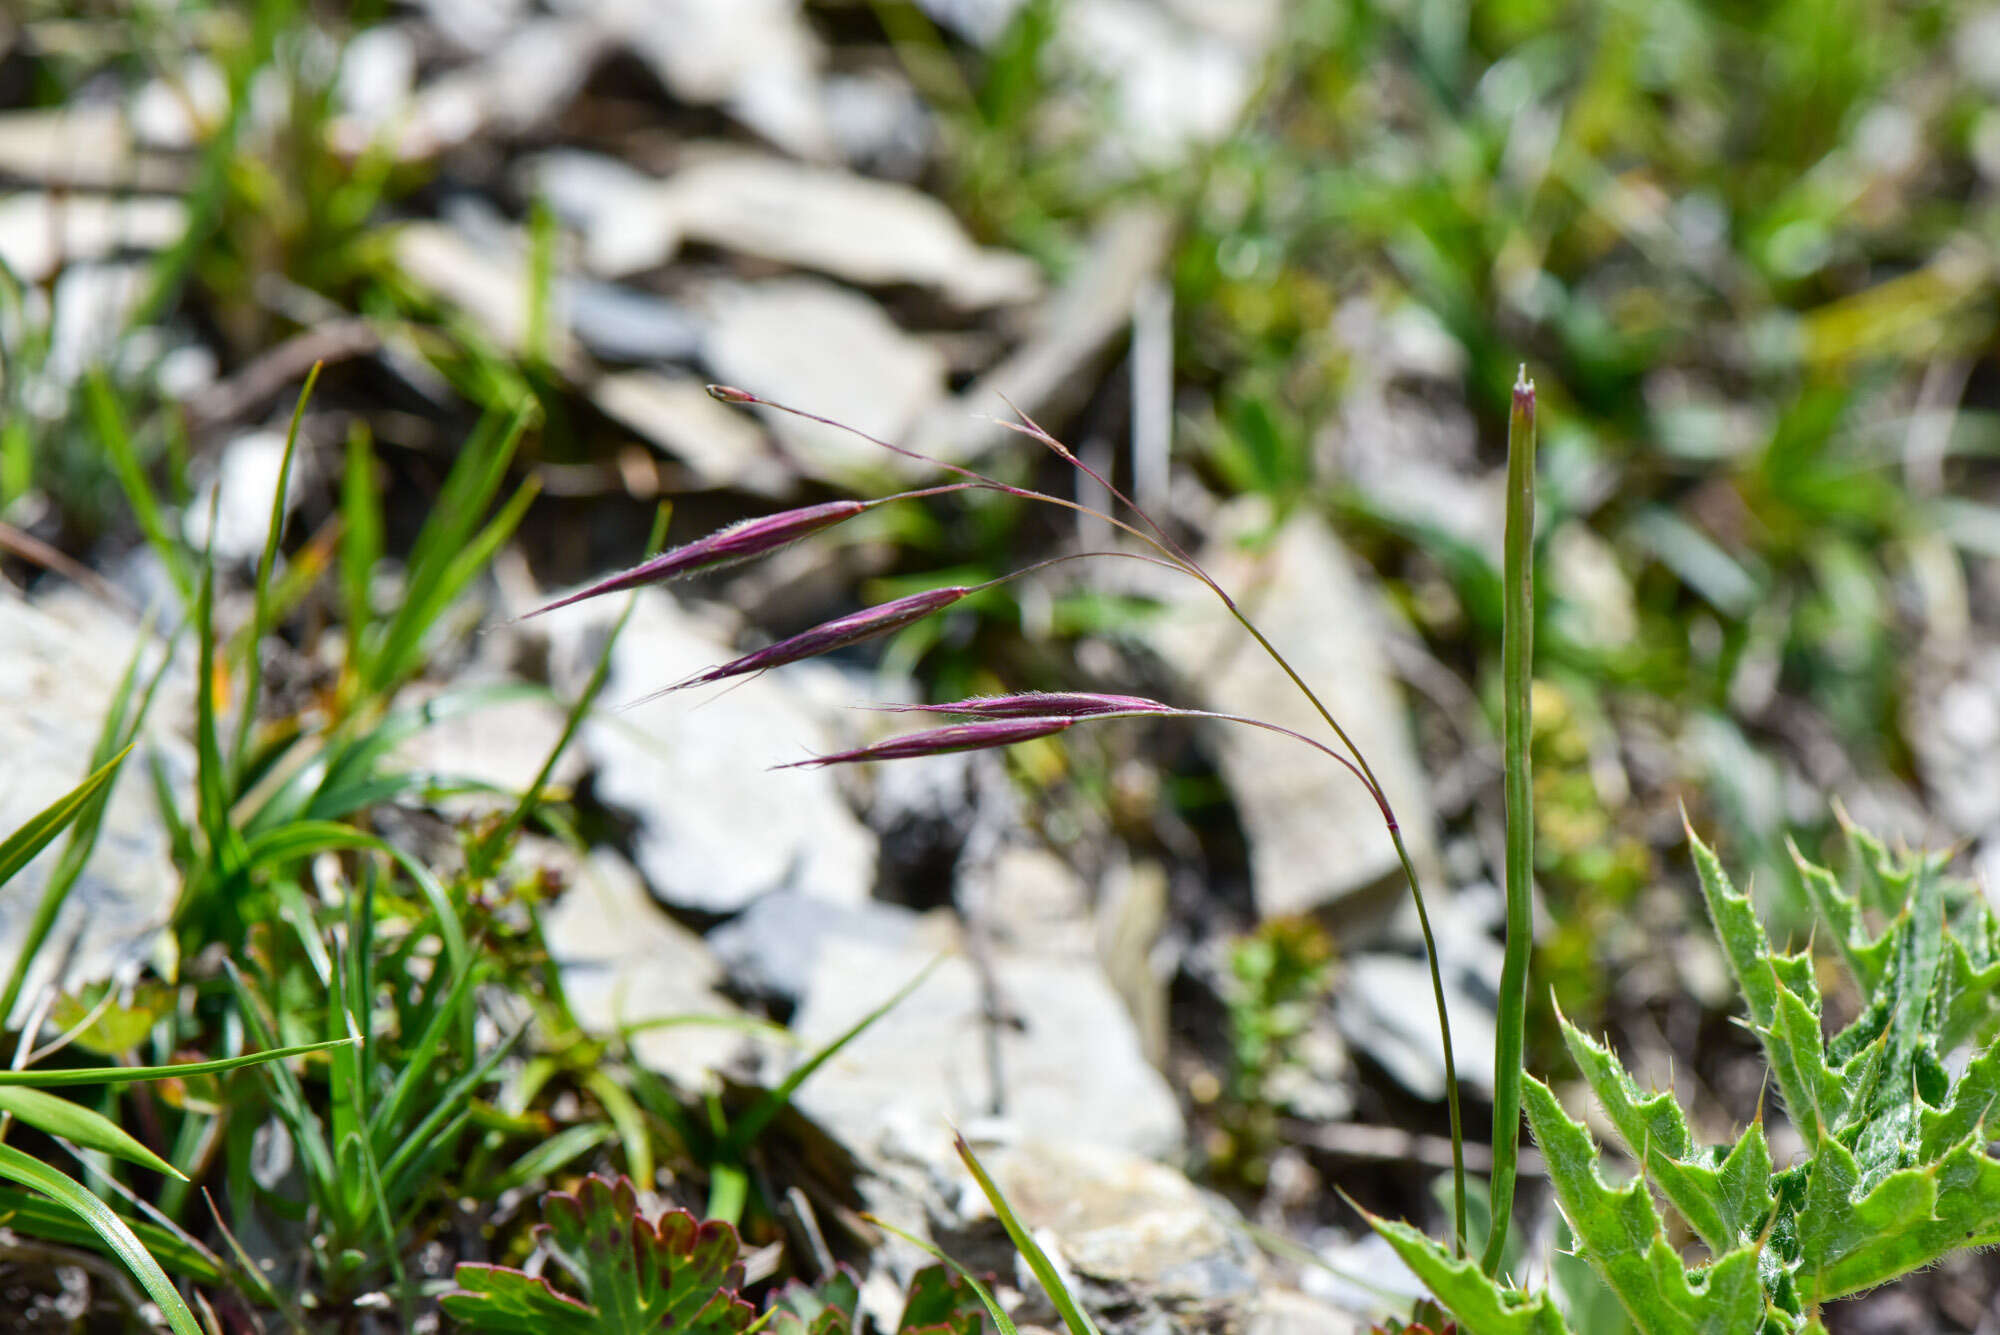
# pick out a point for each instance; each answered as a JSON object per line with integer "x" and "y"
{"x": 841, "y": 224}
{"x": 378, "y": 73}
{"x": 240, "y": 491}
{"x": 626, "y": 218}
{"x": 716, "y": 828}
{"x": 502, "y": 744}
{"x": 1069, "y": 332}
{"x": 1069, "y": 1055}
{"x": 179, "y": 113}
{"x": 57, "y": 680}
{"x": 980, "y": 21}
{"x": 1315, "y": 834}
{"x": 40, "y": 232}
{"x": 848, "y": 226}
{"x": 1386, "y": 1009}
{"x": 723, "y": 447}
{"x": 490, "y": 284}
{"x": 92, "y": 306}
{"x": 622, "y": 324}
{"x": 521, "y": 83}
{"x": 808, "y": 343}
{"x": 1127, "y": 1224}
{"x": 759, "y": 59}
{"x": 623, "y": 961}
{"x": 82, "y": 146}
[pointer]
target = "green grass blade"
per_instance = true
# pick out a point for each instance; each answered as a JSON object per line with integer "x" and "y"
{"x": 80, "y": 804}
{"x": 131, "y": 474}
{"x": 753, "y": 1122}
{"x": 1073, "y": 1316}
{"x": 487, "y": 855}
{"x": 1517, "y": 653}
{"x": 125, "y": 1075}
{"x": 263, "y": 604}
{"x": 360, "y": 541}
{"x": 1000, "y": 1320}
{"x": 38, "y": 1216}
{"x": 84, "y": 1126}
{"x": 115, "y": 1232}
{"x": 20, "y": 847}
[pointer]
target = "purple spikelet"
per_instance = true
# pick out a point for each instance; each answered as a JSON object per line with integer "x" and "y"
{"x": 835, "y": 634}
{"x": 1039, "y": 704}
{"x": 738, "y": 542}
{"x": 938, "y": 741}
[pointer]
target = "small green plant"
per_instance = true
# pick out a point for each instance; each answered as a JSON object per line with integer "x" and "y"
{"x": 626, "y": 1275}
{"x": 1897, "y": 1174}
{"x": 1277, "y": 974}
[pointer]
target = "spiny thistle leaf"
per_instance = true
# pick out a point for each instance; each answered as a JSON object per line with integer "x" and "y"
{"x": 677, "y": 1274}
{"x": 1479, "y": 1304}
{"x": 1726, "y": 1200}
{"x": 1909, "y": 1220}
{"x": 1619, "y": 1232}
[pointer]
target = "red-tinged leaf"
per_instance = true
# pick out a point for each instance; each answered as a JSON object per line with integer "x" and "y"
{"x": 939, "y": 741}
{"x": 634, "y": 1277}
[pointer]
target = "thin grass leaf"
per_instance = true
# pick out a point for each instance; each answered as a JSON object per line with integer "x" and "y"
{"x": 486, "y": 855}
{"x": 262, "y": 604}
{"x": 1517, "y": 653}
{"x": 20, "y": 847}
{"x": 1000, "y": 1320}
{"x": 37, "y": 1215}
{"x": 747, "y": 1128}
{"x": 360, "y": 542}
{"x": 131, "y": 475}
{"x": 125, "y": 1075}
{"x": 1046, "y": 1274}
{"x": 565, "y": 1146}
{"x": 129, "y": 1074}
{"x": 630, "y": 1123}
{"x": 115, "y": 1232}
{"x": 86, "y": 1127}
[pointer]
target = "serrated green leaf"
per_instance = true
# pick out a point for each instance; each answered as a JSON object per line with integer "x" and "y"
{"x": 1726, "y": 1204}
{"x": 1911, "y": 1219}
{"x": 1866, "y": 955}
{"x": 1619, "y": 1233}
{"x": 635, "y": 1277}
{"x": 1474, "y": 1298}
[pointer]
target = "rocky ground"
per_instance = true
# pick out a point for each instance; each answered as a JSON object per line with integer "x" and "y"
{"x": 1181, "y": 997}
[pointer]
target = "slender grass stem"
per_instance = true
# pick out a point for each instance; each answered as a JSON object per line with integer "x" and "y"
{"x": 1517, "y": 657}
{"x": 1176, "y": 556}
